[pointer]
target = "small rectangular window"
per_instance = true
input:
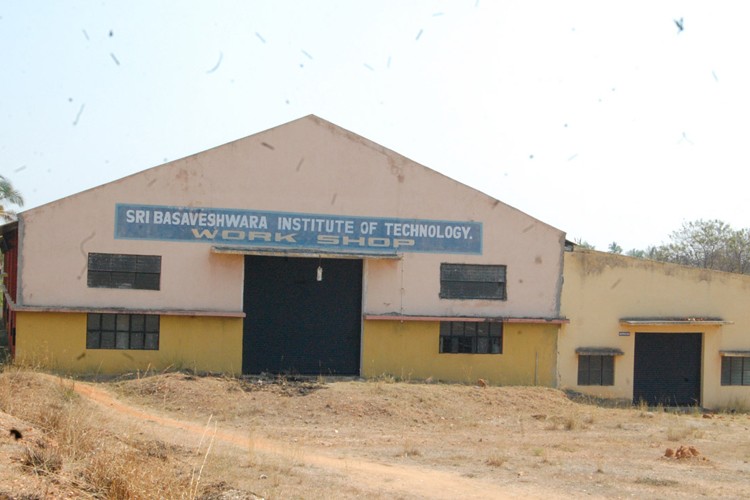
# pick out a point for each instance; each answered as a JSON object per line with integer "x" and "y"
{"x": 122, "y": 331}
{"x": 138, "y": 272}
{"x": 596, "y": 369}
{"x": 107, "y": 340}
{"x": 472, "y": 281}
{"x": 483, "y": 345}
{"x": 735, "y": 370}
{"x": 152, "y": 341}
{"x": 471, "y": 337}
{"x": 122, "y": 340}
{"x": 137, "y": 340}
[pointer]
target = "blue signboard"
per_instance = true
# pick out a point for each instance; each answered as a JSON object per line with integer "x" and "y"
{"x": 262, "y": 229}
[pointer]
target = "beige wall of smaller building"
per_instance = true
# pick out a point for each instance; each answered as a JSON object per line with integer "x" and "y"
{"x": 601, "y": 289}
{"x": 57, "y": 341}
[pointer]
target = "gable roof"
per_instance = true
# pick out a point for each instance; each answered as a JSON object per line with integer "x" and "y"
{"x": 268, "y": 142}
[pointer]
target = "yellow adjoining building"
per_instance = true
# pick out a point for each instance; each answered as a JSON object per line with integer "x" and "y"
{"x": 654, "y": 332}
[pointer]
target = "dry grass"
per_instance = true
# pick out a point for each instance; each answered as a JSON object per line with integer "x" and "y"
{"x": 410, "y": 451}
{"x": 496, "y": 461}
{"x": 312, "y": 438}
{"x": 677, "y": 434}
{"x": 736, "y": 406}
{"x": 657, "y": 482}
{"x": 569, "y": 422}
{"x": 682, "y": 432}
{"x": 41, "y": 458}
{"x": 74, "y": 451}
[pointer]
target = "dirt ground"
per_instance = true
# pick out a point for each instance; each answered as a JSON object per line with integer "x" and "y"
{"x": 280, "y": 438}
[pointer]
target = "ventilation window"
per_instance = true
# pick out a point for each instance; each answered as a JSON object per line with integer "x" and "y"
{"x": 735, "y": 369}
{"x": 596, "y": 369}
{"x": 138, "y": 272}
{"x": 122, "y": 331}
{"x": 471, "y": 337}
{"x": 472, "y": 281}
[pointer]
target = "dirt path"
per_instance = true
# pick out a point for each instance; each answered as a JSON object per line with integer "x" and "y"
{"x": 379, "y": 478}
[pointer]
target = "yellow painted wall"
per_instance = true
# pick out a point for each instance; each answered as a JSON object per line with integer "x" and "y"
{"x": 601, "y": 288}
{"x": 57, "y": 341}
{"x": 410, "y": 350}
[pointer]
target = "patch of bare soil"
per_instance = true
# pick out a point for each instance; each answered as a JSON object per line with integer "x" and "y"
{"x": 282, "y": 438}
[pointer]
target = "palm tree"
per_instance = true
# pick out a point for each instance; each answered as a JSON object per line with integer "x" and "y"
{"x": 8, "y": 194}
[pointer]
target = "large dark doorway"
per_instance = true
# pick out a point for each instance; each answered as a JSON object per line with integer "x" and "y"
{"x": 667, "y": 368}
{"x": 296, "y": 324}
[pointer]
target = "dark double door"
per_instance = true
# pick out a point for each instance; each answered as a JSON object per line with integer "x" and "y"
{"x": 667, "y": 368}
{"x": 297, "y": 324}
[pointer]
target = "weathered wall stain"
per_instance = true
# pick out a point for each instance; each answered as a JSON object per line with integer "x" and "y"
{"x": 182, "y": 176}
{"x": 85, "y": 255}
{"x": 396, "y": 169}
{"x": 593, "y": 263}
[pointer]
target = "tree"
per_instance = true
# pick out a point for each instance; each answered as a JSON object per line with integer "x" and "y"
{"x": 584, "y": 244}
{"x": 738, "y": 252}
{"x": 8, "y": 195}
{"x": 709, "y": 244}
{"x": 638, "y": 254}
{"x": 701, "y": 244}
{"x": 614, "y": 248}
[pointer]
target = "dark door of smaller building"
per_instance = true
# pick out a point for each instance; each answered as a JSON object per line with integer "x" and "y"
{"x": 667, "y": 368}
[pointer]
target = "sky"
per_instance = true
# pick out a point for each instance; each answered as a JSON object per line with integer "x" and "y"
{"x": 614, "y": 121}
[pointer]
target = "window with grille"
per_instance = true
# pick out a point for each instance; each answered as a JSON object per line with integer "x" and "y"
{"x": 472, "y": 281}
{"x": 596, "y": 369}
{"x": 471, "y": 337}
{"x": 139, "y": 272}
{"x": 735, "y": 370}
{"x": 122, "y": 331}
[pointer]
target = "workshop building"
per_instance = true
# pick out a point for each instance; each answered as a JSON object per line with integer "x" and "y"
{"x": 304, "y": 249}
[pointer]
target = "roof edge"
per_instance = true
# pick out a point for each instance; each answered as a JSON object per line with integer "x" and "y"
{"x": 690, "y": 320}
{"x": 473, "y": 319}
